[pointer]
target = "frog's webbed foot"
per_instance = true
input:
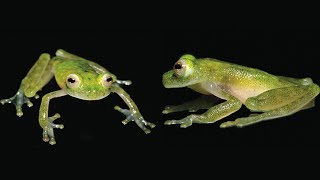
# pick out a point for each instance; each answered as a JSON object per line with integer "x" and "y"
{"x": 184, "y": 123}
{"x": 18, "y": 100}
{"x": 136, "y": 117}
{"x": 48, "y": 134}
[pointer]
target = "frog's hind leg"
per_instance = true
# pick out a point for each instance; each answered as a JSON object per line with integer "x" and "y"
{"x": 277, "y": 103}
{"x": 39, "y": 75}
{"x": 303, "y": 81}
{"x": 203, "y": 102}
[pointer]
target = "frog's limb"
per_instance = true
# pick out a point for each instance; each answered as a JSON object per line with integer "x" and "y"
{"x": 212, "y": 115}
{"x": 124, "y": 82}
{"x": 277, "y": 103}
{"x": 64, "y": 54}
{"x": 38, "y": 76}
{"x": 203, "y": 102}
{"x": 133, "y": 113}
{"x": 303, "y": 81}
{"x": 46, "y": 122}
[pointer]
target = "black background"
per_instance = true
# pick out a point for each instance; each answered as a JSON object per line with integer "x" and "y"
{"x": 143, "y": 55}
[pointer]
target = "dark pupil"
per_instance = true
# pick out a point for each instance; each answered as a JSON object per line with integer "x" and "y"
{"x": 109, "y": 79}
{"x": 71, "y": 80}
{"x": 177, "y": 66}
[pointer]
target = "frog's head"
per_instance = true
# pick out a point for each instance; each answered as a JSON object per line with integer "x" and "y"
{"x": 184, "y": 73}
{"x": 89, "y": 86}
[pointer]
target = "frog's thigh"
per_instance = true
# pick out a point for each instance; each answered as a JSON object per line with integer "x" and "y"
{"x": 276, "y": 98}
{"x": 311, "y": 91}
{"x": 38, "y": 76}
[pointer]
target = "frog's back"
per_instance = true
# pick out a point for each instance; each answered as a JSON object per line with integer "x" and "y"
{"x": 76, "y": 66}
{"x": 226, "y": 72}
{"x": 240, "y": 81}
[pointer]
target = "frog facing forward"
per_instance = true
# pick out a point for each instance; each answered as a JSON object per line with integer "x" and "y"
{"x": 77, "y": 77}
{"x": 273, "y": 96}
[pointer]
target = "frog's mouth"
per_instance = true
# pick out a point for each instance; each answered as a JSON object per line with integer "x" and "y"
{"x": 89, "y": 95}
{"x": 169, "y": 80}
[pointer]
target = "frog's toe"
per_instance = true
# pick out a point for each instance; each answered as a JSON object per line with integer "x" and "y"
{"x": 54, "y": 117}
{"x": 48, "y": 135}
{"x": 239, "y": 122}
{"x": 4, "y": 101}
{"x": 151, "y": 125}
{"x": 29, "y": 103}
{"x": 170, "y": 122}
{"x": 36, "y": 96}
{"x": 126, "y": 121}
{"x": 126, "y": 112}
{"x": 19, "y": 111}
{"x": 227, "y": 124}
{"x": 168, "y": 109}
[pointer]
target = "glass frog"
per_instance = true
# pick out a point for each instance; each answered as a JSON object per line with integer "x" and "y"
{"x": 77, "y": 77}
{"x": 270, "y": 95}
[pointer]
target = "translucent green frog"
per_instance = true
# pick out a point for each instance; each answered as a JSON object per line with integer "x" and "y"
{"x": 273, "y": 96}
{"x": 77, "y": 77}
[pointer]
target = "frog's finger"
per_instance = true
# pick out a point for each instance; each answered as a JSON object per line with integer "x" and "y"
{"x": 29, "y": 103}
{"x": 126, "y": 112}
{"x": 19, "y": 110}
{"x": 151, "y": 125}
{"x": 126, "y": 121}
{"x": 125, "y": 82}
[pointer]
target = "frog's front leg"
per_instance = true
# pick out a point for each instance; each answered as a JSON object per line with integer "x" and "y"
{"x": 133, "y": 113}
{"x": 46, "y": 122}
{"x": 277, "y": 103}
{"x": 212, "y": 115}
{"x": 39, "y": 75}
{"x": 203, "y": 102}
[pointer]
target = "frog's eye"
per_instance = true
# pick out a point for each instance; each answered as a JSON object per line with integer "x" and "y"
{"x": 73, "y": 81}
{"x": 179, "y": 68}
{"x": 107, "y": 80}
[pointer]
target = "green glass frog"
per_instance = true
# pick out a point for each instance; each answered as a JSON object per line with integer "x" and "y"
{"x": 77, "y": 77}
{"x": 273, "y": 96}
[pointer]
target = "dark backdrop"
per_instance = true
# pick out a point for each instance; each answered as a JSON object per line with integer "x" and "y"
{"x": 143, "y": 55}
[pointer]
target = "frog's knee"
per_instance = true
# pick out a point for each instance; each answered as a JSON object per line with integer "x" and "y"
{"x": 315, "y": 89}
{"x": 306, "y": 81}
{"x": 60, "y": 53}
{"x": 252, "y": 104}
{"x": 29, "y": 93}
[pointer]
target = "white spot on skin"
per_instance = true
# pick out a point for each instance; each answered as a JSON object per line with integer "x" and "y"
{"x": 188, "y": 71}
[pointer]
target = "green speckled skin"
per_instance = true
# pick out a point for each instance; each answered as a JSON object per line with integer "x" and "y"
{"x": 77, "y": 77}
{"x": 273, "y": 96}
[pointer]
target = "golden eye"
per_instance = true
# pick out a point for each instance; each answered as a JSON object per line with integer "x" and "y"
{"x": 107, "y": 80}
{"x": 179, "y": 68}
{"x": 73, "y": 81}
